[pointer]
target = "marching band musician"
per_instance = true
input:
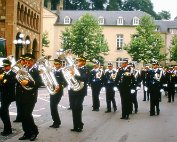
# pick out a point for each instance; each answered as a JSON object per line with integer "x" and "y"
{"x": 170, "y": 82}
{"x": 96, "y": 83}
{"x": 77, "y": 97}
{"x": 126, "y": 84}
{"x": 155, "y": 87}
{"x": 144, "y": 74}
{"x": 137, "y": 76}
{"x": 19, "y": 91}
{"x": 55, "y": 98}
{"x": 28, "y": 99}
{"x": 109, "y": 83}
{"x": 8, "y": 82}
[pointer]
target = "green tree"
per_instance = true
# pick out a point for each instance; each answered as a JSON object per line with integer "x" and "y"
{"x": 85, "y": 37}
{"x": 45, "y": 42}
{"x": 146, "y": 43}
{"x": 173, "y": 51}
{"x": 98, "y": 4}
{"x": 165, "y": 15}
{"x": 114, "y": 5}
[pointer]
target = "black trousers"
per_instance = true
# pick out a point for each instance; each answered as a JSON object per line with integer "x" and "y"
{"x": 134, "y": 101}
{"x": 95, "y": 97}
{"x": 54, "y": 101}
{"x": 110, "y": 97}
{"x": 171, "y": 94}
{"x": 28, "y": 123}
{"x": 4, "y": 114}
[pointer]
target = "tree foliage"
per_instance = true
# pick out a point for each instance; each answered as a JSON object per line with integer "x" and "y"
{"x": 146, "y": 43}
{"x": 45, "y": 42}
{"x": 173, "y": 48}
{"x": 85, "y": 38}
{"x": 164, "y": 15}
{"x": 114, "y": 5}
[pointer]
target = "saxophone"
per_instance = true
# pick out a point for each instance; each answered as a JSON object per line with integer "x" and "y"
{"x": 74, "y": 84}
{"x": 47, "y": 75}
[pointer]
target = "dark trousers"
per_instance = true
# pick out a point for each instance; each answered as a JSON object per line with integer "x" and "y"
{"x": 171, "y": 94}
{"x": 146, "y": 95}
{"x": 110, "y": 97}
{"x": 4, "y": 114}
{"x": 54, "y": 101}
{"x": 154, "y": 104}
{"x": 95, "y": 97}
{"x": 28, "y": 124}
{"x": 134, "y": 101}
{"x": 18, "y": 117}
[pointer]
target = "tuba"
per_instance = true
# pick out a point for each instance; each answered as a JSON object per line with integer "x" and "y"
{"x": 47, "y": 75}
{"x": 21, "y": 73}
{"x": 74, "y": 84}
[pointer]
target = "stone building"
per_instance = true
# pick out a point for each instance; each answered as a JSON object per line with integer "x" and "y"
{"x": 20, "y": 26}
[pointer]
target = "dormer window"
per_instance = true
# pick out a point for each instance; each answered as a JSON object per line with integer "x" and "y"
{"x": 67, "y": 20}
{"x": 136, "y": 21}
{"x": 157, "y": 29}
{"x": 120, "y": 21}
{"x": 101, "y": 20}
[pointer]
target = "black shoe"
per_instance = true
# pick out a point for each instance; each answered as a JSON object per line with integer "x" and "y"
{"x": 127, "y": 117}
{"x": 152, "y": 114}
{"x": 16, "y": 121}
{"x": 136, "y": 111}
{"x": 4, "y": 133}
{"x": 33, "y": 137}
{"x": 107, "y": 111}
{"x": 144, "y": 100}
{"x": 123, "y": 118}
{"x": 69, "y": 108}
{"x": 24, "y": 137}
{"x": 115, "y": 109}
{"x": 73, "y": 130}
{"x": 78, "y": 130}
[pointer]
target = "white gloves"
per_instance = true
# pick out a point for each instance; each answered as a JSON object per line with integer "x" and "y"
{"x": 115, "y": 89}
{"x": 132, "y": 91}
{"x": 175, "y": 85}
{"x": 164, "y": 85}
{"x": 103, "y": 89}
{"x": 145, "y": 88}
{"x": 137, "y": 88}
{"x": 161, "y": 90}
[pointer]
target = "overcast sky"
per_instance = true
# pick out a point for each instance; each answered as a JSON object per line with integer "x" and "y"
{"x": 167, "y": 5}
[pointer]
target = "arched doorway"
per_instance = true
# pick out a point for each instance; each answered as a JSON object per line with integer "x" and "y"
{"x": 34, "y": 48}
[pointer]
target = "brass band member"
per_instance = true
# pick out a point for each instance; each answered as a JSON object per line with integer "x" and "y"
{"x": 7, "y": 81}
{"x": 28, "y": 99}
{"x": 96, "y": 83}
{"x": 55, "y": 98}
{"x": 126, "y": 85}
{"x": 109, "y": 83}
{"x": 77, "y": 97}
{"x": 155, "y": 87}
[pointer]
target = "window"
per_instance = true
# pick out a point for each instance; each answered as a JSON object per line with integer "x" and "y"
{"x": 136, "y": 21}
{"x": 173, "y": 31}
{"x": 157, "y": 29}
{"x": 101, "y": 20}
{"x": 120, "y": 21}
{"x": 67, "y": 20}
{"x": 119, "y": 41}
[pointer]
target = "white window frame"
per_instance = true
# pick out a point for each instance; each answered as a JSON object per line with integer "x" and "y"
{"x": 101, "y": 20}
{"x": 120, "y": 21}
{"x": 67, "y": 20}
{"x": 119, "y": 41}
{"x": 136, "y": 21}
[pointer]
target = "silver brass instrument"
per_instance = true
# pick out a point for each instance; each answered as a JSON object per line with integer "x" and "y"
{"x": 47, "y": 75}
{"x": 22, "y": 74}
{"x": 74, "y": 84}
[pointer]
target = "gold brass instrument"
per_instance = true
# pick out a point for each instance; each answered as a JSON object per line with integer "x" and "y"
{"x": 22, "y": 74}
{"x": 74, "y": 84}
{"x": 47, "y": 75}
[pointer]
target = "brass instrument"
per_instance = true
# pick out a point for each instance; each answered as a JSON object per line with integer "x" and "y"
{"x": 74, "y": 84}
{"x": 47, "y": 75}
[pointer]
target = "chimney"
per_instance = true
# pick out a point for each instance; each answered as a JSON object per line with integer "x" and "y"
{"x": 49, "y": 5}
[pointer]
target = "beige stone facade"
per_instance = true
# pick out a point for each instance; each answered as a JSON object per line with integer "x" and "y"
{"x": 21, "y": 17}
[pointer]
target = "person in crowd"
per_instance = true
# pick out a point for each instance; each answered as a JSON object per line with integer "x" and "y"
{"x": 109, "y": 83}
{"x": 96, "y": 83}
{"x": 28, "y": 99}
{"x": 144, "y": 74}
{"x": 8, "y": 82}
{"x": 22, "y": 63}
{"x": 77, "y": 96}
{"x": 126, "y": 84}
{"x": 56, "y": 97}
{"x": 155, "y": 87}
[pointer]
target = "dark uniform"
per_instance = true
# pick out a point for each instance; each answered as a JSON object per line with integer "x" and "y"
{"x": 55, "y": 98}
{"x": 77, "y": 97}
{"x": 126, "y": 85}
{"x": 170, "y": 79}
{"x": 144, "y": 74}
{"x": 28, "y": 99}
{"x": 7, "y": 82}
{"x": 96, "y": 83}
{"x": 155, "y": 86}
